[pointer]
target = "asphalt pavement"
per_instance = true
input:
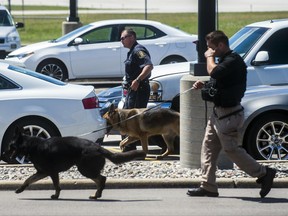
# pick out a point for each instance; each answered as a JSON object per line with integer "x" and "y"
{"x": 144, "y": 202}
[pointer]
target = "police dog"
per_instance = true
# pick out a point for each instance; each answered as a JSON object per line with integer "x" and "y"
{"x": 140, "y": 124}
{"x": 57, "y": 154}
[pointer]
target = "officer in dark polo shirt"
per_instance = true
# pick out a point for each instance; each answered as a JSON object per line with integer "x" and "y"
{"x": 225, "y": 122}
{"x": 138, "y": 67}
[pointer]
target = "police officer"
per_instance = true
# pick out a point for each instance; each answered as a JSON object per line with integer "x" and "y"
{"x": 226, "y": 119}
{"x": 138, "y": 67}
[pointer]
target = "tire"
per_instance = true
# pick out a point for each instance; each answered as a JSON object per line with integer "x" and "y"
{"x": 267, "y": 138}
{"x": 53, "y": 68}
{"x": 172, "y": 60}
{"x": 32, "y": 126}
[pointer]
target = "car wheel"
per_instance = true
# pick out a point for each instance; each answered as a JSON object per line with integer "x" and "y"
{"x": 172, "y": 60}
{"x": 32, "y": 126}
{"x": 267, "y": 138}
{"x": 53, "y": 68}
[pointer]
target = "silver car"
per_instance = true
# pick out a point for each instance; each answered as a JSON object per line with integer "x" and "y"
{"x": 265, "y": 130}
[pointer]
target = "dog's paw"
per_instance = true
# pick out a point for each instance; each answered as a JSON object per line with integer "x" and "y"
{"x": 93, "y": 197}
{"x": 54, "y": 197}
{"x": 19, "y": 190}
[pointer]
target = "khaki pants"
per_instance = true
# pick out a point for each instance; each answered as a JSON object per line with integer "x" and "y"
{"x": 220, "y": 134}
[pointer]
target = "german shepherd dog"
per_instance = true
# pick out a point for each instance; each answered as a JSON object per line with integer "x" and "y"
{"x": 140, "y": 124}
{"x": 57, "y": 154}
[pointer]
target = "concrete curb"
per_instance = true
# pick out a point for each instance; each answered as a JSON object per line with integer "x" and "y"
{"x": 141, "y": 183}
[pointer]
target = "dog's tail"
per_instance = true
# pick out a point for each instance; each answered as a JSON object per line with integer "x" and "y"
{"x": 121, "y": 157}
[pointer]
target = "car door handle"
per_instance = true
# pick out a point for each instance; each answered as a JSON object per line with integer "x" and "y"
{"x": 114, "y": 47}
{"x": 161, "y": 44}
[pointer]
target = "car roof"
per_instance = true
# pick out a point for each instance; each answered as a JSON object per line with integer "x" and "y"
{"x": 26, "y": 77}
{"x": 167, "y": 28}
{"x": 277, "y": 23}
{"x": 2, "y": 7}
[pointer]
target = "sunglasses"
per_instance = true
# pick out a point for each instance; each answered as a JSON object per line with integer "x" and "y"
{"x": 124, "y": 37}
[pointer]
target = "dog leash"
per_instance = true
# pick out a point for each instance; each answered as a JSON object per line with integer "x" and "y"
{"x": 131, "y": 117}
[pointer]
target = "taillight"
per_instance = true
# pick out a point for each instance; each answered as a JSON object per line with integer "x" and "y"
{"x": 125, "y": 92}
{"x": 90, "y": 103}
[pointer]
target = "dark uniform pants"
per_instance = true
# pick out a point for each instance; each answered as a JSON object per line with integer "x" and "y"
{"x": 139, "y": 98}
{"x": 223, "y": 134}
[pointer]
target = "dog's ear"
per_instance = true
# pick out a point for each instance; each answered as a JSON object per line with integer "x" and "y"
{"x": 109, "y": 112}
{"x": 111, "y": 108}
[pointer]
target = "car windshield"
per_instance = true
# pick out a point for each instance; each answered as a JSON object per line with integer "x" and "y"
{"x": 242, "y": 41}
{"x": 37, "y": 75}
{"x": 5, "y": 19}
{"x": 71, "y": 34}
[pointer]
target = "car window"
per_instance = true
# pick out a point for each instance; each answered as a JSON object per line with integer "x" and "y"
{"x": 70, "y": 34}
{"x": 36, "y": 75}
{"x": 7, "y": 84}
{"x": 277, "y": 46}
{"x": 242, "y": 41}
{"x": 146, "y": 32}
{"x": 98, "y": 35}
{"x": 5, "y": 18}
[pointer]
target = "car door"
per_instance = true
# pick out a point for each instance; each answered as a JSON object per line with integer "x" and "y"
{"x": 98, "y": 55}
{"x": 152, "y": 39}
{"x": 275, "y": 71}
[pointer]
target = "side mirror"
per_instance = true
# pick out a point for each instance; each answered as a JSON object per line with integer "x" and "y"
{"x": 261, "y": 58}
{"x": 78, "y": 41}
{"x": 19, "y": 25}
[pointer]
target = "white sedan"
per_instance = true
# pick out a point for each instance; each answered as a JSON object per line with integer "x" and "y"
{"x": 46, "y": 107}
{"x": 95, "y": 50}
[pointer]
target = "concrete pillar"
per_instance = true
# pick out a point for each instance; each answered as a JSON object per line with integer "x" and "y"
{"x": 192, "y": 125}
{"x": 68, "y": 26}
{"x": 192, "y": 122}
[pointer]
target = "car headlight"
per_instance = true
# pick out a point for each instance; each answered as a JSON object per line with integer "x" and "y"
{"x": 13, "y": 37}
{"x": 20, "y": 56}
{"x": 155, "y": 91}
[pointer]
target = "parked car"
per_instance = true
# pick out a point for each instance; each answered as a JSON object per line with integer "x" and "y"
{"x": 263, "y": 47}
{"x": 95, "y": 50}
{"x": 265, "y": 130}
{"x": 46, "y": 107}
{"x": 9, "y": 36}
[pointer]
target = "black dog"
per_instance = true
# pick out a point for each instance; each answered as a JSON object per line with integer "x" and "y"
{"x": 57, "y": 154}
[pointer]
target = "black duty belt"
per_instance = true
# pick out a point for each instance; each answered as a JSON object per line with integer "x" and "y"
{"x": 145, "y": 81}
{"x": 229, "y": 114}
